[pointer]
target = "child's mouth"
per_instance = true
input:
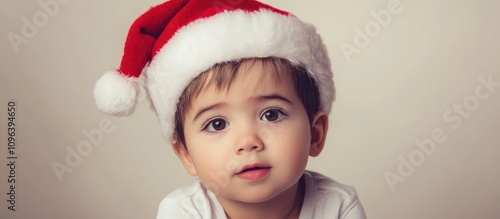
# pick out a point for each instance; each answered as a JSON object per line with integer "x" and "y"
{"x": 254, "y": 172}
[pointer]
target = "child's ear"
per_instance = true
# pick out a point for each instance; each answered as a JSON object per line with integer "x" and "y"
{"x": 184, "y": 156}
{"x": 319, "y": 128}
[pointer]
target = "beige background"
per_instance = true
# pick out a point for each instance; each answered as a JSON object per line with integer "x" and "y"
{"x": 394, "y": 91}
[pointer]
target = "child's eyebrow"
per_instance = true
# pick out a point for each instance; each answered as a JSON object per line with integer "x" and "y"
{"x": 252, "y": 99}
{"x": 203, "y": 110}
{"x": 271, "y": 97}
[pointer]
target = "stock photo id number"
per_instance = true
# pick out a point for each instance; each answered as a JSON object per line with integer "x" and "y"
{"x": 11, "y": 155}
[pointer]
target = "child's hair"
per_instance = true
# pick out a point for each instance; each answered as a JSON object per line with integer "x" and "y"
{"x": 223, "y": 74}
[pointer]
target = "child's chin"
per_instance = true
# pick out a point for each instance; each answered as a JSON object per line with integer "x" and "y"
{"x": 255, "y": 197}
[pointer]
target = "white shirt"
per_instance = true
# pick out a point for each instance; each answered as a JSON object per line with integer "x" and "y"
{"x": 324, "y": 198}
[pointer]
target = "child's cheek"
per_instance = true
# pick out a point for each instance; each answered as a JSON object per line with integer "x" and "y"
{"x": 215, "y": 170}
{"x": 269, "y": 132}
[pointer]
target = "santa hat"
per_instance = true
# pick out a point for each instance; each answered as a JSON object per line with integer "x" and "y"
{"x": 175, "y": 41}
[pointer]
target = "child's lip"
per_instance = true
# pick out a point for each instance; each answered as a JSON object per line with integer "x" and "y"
{"x": 253, "y": 166}
{"x": 253, "y": 172}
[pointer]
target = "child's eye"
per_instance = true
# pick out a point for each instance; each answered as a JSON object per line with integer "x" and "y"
{"x": 215, "y": 125}
{"x": 273, "y": 115}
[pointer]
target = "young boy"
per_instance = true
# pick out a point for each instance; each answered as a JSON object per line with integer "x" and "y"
{"x": 243, "y": 92}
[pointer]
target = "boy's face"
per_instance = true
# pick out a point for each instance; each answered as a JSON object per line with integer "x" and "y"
{"x": 251, "y": 142}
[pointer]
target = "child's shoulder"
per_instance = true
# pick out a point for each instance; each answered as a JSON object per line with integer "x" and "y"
{"x": 193, "y": 201}
{"x": 325, "y": 184}
{"x": 327, "y": 197}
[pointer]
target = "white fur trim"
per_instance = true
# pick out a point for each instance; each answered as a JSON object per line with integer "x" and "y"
{"x": 230, "y": 36}
{"x": 116, "y": 94}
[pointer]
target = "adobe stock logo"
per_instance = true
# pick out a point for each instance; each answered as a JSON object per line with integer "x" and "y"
{"x": 454, "y": 116}
{"x": 75, "y": 155}
{"x": 31, "y": 26}
{"x": 93, "y": 139}
{"x": 372, "y": 29}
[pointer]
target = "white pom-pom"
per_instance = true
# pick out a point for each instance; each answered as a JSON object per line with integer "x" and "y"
{"x": 116, "y": 94}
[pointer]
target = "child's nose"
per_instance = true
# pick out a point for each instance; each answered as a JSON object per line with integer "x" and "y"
{"x": 249, "y": 141}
